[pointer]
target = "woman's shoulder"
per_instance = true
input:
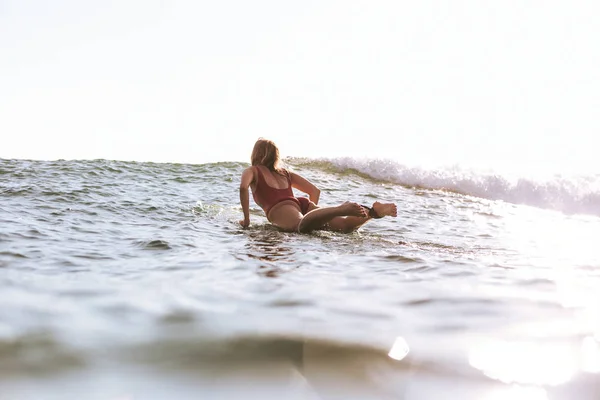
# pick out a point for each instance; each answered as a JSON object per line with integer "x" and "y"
{"x": 251, "y": 170}
{"x": 290, "y": 172}
{"x": 285, "y": 172}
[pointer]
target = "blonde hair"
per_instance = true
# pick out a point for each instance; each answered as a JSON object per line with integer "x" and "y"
{"x": 266, "y": 153}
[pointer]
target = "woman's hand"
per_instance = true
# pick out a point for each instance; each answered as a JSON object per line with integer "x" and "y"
{"x": 247, "y": 178}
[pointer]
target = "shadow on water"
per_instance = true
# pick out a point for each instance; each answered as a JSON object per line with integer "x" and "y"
{"x": 320, "y": 368}
{"x": 269, "y": 248}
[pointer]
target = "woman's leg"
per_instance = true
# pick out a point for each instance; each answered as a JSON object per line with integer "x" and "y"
{"x": 287, "y": 215}
{"x": 344, "y": 218}
{"x": 352, "y": 223}
{"x": 318, "y": 217}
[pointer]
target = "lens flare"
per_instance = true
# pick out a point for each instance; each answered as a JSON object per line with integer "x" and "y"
{"x": 399, "y": 349}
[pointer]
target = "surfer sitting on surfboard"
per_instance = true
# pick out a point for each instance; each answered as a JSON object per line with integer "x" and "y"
{"x": 272, "y": 191}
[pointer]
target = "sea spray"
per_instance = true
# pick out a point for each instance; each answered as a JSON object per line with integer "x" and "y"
{"x": 571, "y": 194}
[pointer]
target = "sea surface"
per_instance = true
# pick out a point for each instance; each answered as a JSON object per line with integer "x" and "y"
{"x": 130, "y": 280}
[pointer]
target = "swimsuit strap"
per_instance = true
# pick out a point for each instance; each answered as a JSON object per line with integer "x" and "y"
{"x": 260, "y": 174}
{"x": 287, "y": 175}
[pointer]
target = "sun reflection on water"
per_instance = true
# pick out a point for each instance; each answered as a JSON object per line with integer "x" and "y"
{"x": 517, "y": 393}
{"x": 566, "y": 240}
{"x": 526, "y": 363}
{"x": 590, "y": 355}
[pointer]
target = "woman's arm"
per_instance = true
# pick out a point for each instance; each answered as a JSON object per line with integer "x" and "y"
{"x": 247, "y": 178}
{"x": 306, "y": 186}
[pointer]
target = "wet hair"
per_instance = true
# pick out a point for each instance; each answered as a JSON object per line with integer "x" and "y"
{"x": 266, "y": 153}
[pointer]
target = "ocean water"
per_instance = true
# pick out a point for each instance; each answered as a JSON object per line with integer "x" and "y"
{"x": 126, "y": 280}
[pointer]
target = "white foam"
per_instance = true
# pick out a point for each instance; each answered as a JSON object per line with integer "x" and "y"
{"x": 573, "y": 193}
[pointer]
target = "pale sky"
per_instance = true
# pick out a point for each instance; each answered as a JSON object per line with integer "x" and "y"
{"x": 199, "y": 81}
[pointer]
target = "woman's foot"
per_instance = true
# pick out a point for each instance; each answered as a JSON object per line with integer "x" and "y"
{"x": 385, "y": 209}
{"x": 352, "y": 209}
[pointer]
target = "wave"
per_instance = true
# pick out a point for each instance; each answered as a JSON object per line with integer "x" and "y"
{"x": 571, "y": 194}
{"x": 574, "y": 194}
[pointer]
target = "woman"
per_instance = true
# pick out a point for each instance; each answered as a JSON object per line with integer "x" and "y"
{"x": 272, "y": 191}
